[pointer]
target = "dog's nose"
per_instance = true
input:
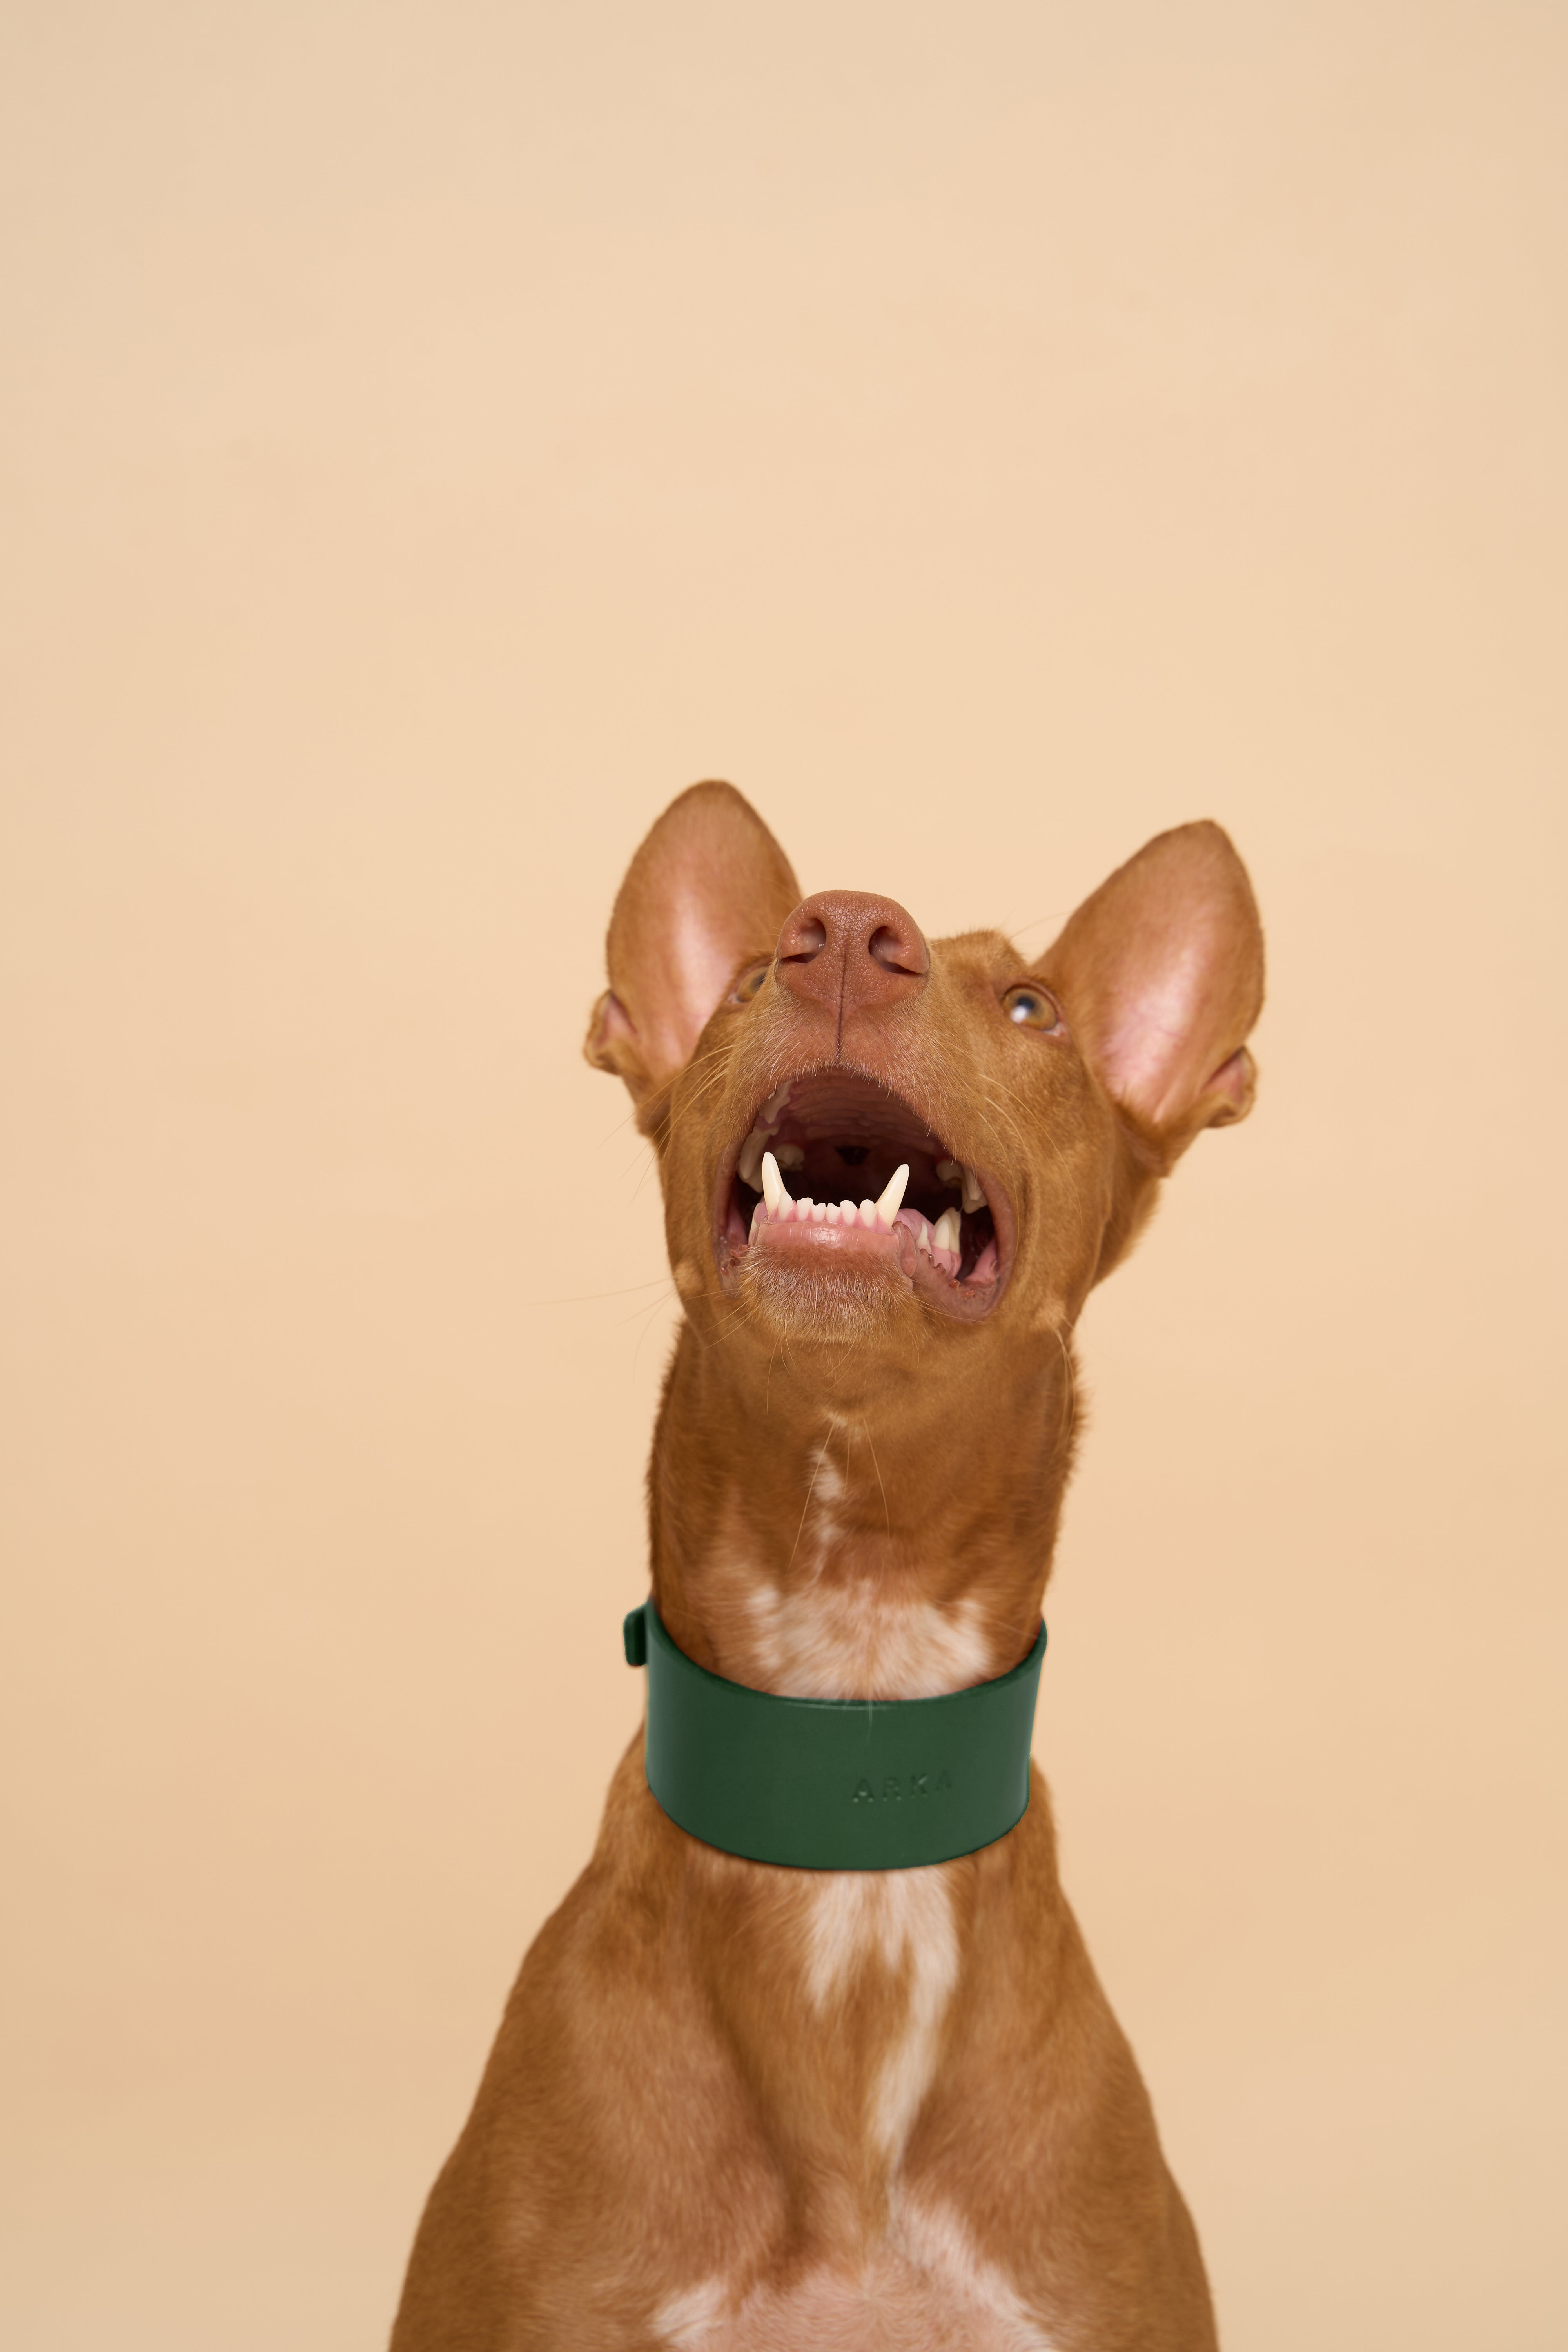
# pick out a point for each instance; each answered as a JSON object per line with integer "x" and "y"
{"x": 850, "y": 951}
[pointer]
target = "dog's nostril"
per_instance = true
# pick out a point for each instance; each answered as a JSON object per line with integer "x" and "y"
{"x": 805, "y": 940}
{"x": 857, "y": 949}
{"x": 894, "y": 952}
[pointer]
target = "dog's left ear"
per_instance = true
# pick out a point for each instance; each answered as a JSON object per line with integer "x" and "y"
{"x": 1161, "y": 976}
{"x": 707, "y": 894}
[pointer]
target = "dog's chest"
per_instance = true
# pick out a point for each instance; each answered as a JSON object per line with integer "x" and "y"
{"x": 926, "y": 2290}
{"x": 907, "y": 2276}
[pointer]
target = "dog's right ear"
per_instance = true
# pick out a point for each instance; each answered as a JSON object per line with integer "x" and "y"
{"x": 707, "y": 894}
{"x": 1162, "y": 976}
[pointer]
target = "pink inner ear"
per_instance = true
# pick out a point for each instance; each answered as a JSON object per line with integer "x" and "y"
{"x": 703, "y": 952}
{"x": 1162, "y": 971}
{"x": 1147, "y": 1046}
{"x": 613, "y": 1026}
{"x": 694, "y": 966}
{"x": 1233, "y": 1079}
{"x": 708, "y": 887}
{"x": 1158, "y": 1052}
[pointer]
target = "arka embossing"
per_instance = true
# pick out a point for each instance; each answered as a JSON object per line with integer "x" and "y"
{"x": 896, "y": 1786}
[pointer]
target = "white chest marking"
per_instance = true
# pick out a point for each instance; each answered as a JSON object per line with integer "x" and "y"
{"x": 900, "y": 1920}
{"x": 934, "y": 2238}
{"x": 848, "y": 1640}
{"x": 845, "y": 1639}
{"x": 928, "y": 2285}
{"x": 687, "y": 2318}
{"x": 846, "y": 1636}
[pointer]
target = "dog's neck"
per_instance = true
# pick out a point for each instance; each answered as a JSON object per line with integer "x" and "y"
{"x": 855, "y": 1533}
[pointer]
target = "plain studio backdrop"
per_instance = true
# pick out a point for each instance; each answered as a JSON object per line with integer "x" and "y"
{"x": 433, "y": 435}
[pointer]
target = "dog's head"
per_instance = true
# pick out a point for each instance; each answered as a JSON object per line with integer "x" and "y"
{"x": 790, "y": 1056}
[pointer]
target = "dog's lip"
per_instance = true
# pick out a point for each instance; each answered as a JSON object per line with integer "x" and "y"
{"x": 964, "y": 1302}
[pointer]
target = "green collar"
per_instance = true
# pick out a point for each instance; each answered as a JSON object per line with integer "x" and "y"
{"x": 833, "y": 1783}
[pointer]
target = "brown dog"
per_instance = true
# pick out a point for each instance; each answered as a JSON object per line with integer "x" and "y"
{"x": 738, "y": 2106}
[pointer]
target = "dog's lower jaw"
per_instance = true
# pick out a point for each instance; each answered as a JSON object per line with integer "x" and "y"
{"x": 831, "y": 1306}
{"x": 815, "y": 1278}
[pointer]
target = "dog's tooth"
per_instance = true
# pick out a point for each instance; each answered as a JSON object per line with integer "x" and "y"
{"x": 893, "y": 1193}
{"x": 973, "y": 1190}
{"x": 819, "y": 1212}
{"x": 847, "y": 1212}
{"x": 749, "y": 1165}
{"x": 790, "y": 1155}
{"x": 829, "y": 1212}
{"x": 949, "y": 1172}
{"x": 869, "y": 1215}
{"x": 945, "y": 1234}
{"x": 771, "y": 1110}
{"x": 804, "y": 1207}
{"x": 775, "y": 1190}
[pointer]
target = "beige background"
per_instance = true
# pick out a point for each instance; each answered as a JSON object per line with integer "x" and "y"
{"x": 433, "y": 435}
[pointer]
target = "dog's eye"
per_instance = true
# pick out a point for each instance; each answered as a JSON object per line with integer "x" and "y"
{"x": 746, "y": 987}
{"x": 1031, "y": 1008}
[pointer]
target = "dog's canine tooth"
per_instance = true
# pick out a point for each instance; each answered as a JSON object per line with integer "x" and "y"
{"x": 973, "y": 1191}
{"x": 751, "y": 1158}
{"x": 945, "y": 1233}
{"x": 775, "y": 1193}
{"x": 888, "y": 1206}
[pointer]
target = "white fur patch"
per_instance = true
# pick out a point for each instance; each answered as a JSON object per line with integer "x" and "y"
{"x": 847, "y": 1641}
{"x": 686, "y": 2318}
{"x": 846, "y": 1637}
{"x": 901, "y": 1920}
{"x": 925, "y": 2286}
{"x": 936, "y": 2241}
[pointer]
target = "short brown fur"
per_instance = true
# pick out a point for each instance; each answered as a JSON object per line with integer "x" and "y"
{"x": 675, "y": 2142}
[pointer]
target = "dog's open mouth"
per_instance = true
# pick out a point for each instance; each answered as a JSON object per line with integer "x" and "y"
{"x": 836, "y": 1164}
